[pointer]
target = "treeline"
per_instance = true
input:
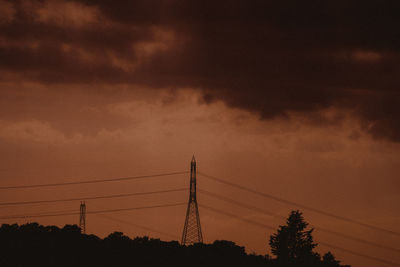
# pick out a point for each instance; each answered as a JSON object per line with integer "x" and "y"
{"x": 36, "y": 245}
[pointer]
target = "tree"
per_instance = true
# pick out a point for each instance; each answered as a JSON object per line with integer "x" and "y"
{"x": 329, "y": 260}
{"x": 292, "y": 244}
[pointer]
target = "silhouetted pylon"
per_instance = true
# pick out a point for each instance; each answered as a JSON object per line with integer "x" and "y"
{"x": 192, "y": 229}
{"x": 82, "y": 217}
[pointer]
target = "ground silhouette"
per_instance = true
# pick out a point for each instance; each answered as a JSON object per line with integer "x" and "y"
{"x": 36, "y": 245}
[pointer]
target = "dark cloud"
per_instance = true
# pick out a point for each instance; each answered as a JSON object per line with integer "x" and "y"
{"x": 270, "y": 57}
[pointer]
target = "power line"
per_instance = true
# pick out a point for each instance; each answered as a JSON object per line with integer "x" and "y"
{"x": 356, "y": 239}
{"x": 89, "y": 198}
{"x": 250, "y": 207}
{"x": 137, "y": 225}
{"x": 361, "y": 254}
{"x": 342, "y": 218}
{"x": 91, "y": 181}
{"x": 322, "y": 243}
{"x": 68, "y": 213}
{"x": 237, "y": 217}
{"x": 43, "y": 214}
{"x": 217, "y": 196}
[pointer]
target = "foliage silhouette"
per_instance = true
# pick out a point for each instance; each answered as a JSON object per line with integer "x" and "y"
{"x": 36, "y": 245}
{"x": 293, "y": 245}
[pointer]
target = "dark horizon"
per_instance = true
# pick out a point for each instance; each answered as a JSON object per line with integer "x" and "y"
{"x": 117, "y": 249}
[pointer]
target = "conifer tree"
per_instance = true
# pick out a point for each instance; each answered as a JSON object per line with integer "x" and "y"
{"x": 293, "y": 244}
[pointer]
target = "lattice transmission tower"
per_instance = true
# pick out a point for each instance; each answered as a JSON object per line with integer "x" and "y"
{"x": 192, "y": 229}
{"x": 82, "y": 217}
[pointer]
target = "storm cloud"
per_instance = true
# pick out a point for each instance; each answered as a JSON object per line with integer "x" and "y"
{"x": 269, "y": 57}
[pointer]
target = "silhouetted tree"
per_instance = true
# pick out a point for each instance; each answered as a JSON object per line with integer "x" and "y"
{"x": 292, "y": 244}
{"x": 36, "y": 245}
{"x": 329, "y": 260}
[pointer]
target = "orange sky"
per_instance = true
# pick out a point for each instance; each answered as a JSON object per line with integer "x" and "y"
{"x": 88, "y": 91}
{"x": 322, "y": 167}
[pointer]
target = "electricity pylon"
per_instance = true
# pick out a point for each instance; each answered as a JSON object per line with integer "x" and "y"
{"x": 192, "y": 229}
{"x": 82, "y": 217}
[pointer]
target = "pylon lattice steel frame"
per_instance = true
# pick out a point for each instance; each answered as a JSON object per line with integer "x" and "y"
{"x": 82, "y": 217}
{"x": 192, "y": 230}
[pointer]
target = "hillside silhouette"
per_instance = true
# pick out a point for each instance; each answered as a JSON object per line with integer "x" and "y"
{"x": 36, "y": 245}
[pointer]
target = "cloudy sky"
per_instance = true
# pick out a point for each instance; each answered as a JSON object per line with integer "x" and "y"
{"x": 295, "y": 99}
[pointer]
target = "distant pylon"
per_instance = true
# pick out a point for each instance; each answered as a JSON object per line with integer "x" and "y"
{"x": 82, "y": 217}
{"x": 192, "y": 229}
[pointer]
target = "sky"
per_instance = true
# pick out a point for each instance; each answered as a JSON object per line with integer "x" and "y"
{"x": 299, "y": 100}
